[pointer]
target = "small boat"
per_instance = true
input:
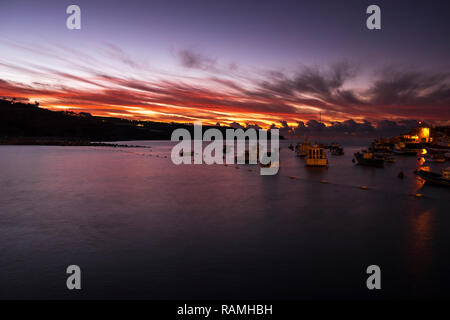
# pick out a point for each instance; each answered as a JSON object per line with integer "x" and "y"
{"x": 302, "y": 150}
{"x": 439, "y": 158}
{"x": 381, "y": 148}
{"x": 336, "y": 150}
{"x": 401, "y": 149}
{"x": 436, "y": 178}
{"x": 441, "y": 145}
{"x": 389, "y": 159}
{"x": 316, "y": 157}
{"x": 368, "y": 159}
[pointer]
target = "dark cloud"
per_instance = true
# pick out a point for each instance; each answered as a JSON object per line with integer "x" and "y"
{"x": 410, "y": 88}
{"x": 314, "y": 85}
{"x": 117, "y": 53}
{"x": 348, "y": 127}
{"x": 195, "y": 60}
{"x": 236, "y": 125}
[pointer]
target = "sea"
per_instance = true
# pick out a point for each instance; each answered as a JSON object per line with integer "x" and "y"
{"x": 140, "y": 227}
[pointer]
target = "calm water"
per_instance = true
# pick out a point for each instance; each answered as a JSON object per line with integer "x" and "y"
{"x": 141, "y": 227}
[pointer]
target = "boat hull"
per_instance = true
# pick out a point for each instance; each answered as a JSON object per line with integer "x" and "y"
{"x": 316, "y": 162}
{"x": 434, "y": 178}
{"x": 379, "y": 163}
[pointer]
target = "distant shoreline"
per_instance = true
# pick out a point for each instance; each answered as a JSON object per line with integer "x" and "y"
{"x": 25, "y": 141}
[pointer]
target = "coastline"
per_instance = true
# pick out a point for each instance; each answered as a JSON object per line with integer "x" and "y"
{"x": 28, "y": 141}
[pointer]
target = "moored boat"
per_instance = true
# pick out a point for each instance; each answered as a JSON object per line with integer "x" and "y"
{"x": 440, "y": 158}
{"x": 316, "y": 157}
{"x": 402, "y": 149}
{"x": 336, "y": 149}
{"x": 381, "y": 147}
{"x": 436, "y": 178}
{"x": 302, "y": 149}
{"x": 389, "y": 159}
{"x": 369, "y": 159}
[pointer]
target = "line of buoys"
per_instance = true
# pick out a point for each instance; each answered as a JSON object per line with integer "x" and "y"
{"x": 362, "y": 187}
{"x": 323, "y": 181}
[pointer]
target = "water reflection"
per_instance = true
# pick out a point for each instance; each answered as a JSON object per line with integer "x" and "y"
{"x": 419, "y": 242}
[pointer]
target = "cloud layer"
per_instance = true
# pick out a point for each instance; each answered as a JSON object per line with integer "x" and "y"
{"x": 206, "y": 90}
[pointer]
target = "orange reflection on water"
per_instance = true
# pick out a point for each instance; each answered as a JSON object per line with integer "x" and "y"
{"x": 420, "y": 242}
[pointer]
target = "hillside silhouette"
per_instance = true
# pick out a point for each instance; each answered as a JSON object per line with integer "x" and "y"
{"x": 23, "y": 122}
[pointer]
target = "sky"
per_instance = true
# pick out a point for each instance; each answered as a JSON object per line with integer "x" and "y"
{"x": 248, "y": 62}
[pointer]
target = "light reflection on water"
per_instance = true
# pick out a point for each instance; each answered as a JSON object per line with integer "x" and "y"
{"x": 141, "y": 227}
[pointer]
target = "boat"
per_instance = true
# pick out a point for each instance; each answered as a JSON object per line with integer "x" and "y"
{"x": 369, "y": 159}
{"x": 336, "y": 150}
{"x": 381, "y": 147}
{"x": 302, "y": 149}
{"x": 316, "y": 157}
{"x": 440, "y": 158}
{"x": 441, "y": 145}
{"x": 401, "y": 149}
{"x": 436, "y": 178}
{"x": 389, "y": 159}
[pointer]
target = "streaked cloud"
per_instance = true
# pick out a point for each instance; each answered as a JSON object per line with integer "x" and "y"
{"x": 226, "y": 95}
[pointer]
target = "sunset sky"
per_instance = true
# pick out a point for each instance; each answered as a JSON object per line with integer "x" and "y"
{"x": 258, "y": 62}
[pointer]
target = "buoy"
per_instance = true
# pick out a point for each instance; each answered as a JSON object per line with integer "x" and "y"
{"x": 323, "y": 181}
{"x": 418, "y": 195}
{"x": 364, "y": 187}
{"x": 291, "y": 177}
